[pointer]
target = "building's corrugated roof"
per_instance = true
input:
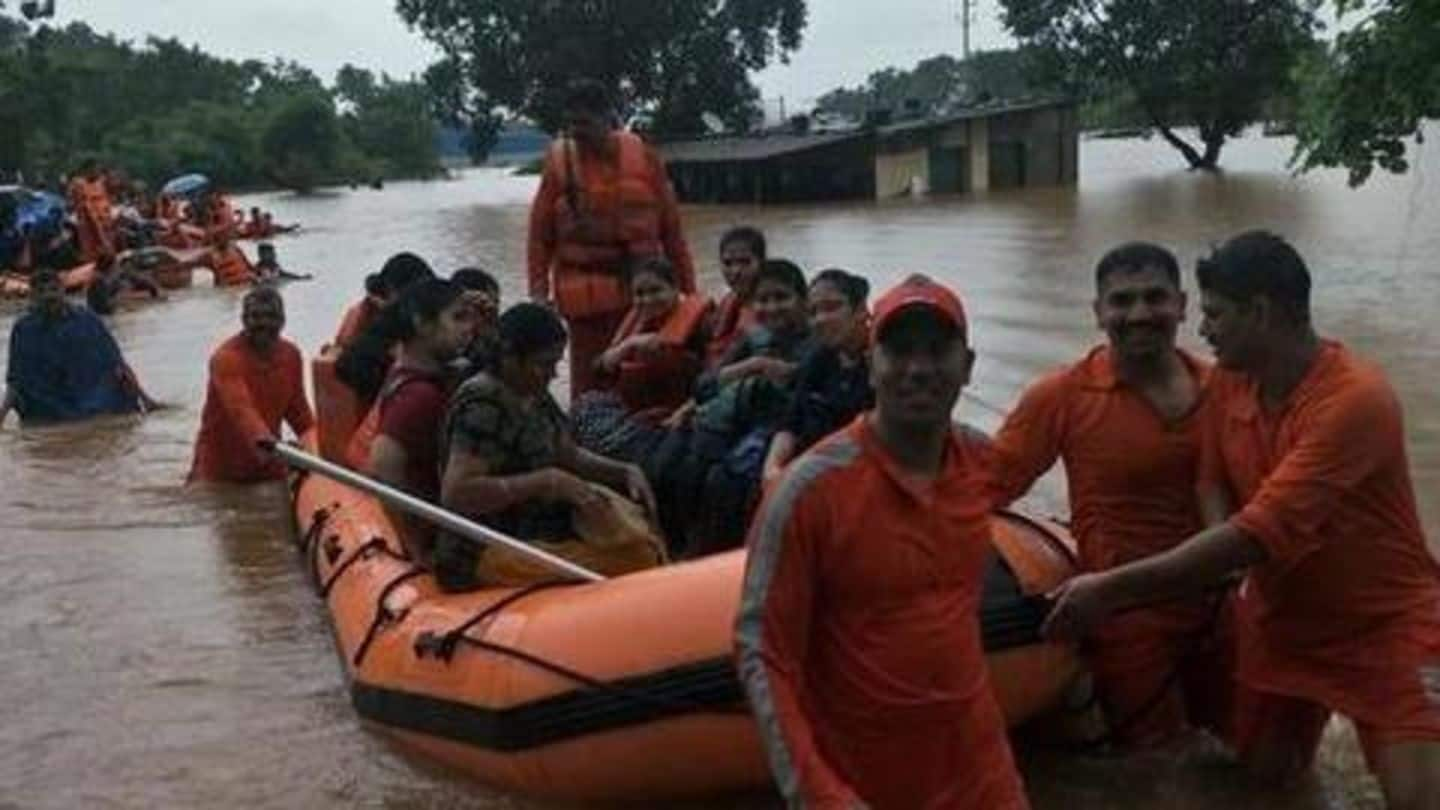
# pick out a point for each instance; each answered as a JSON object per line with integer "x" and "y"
{"x": 759, "y": 147}
{"x": 968, "y": 115}
{"x": 769, "y": 145}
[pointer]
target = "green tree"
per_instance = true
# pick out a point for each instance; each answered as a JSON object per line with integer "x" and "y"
{"x": 302, "y": 144}
{"x": 1212, "y": 64}
{"x": 1365, "y": 96}
{"x": 389, "y": 121}
{"x": 941, "y": 83}
{"x": 675, "y": 60}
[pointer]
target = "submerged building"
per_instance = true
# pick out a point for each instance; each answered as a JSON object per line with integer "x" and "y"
{"x": 977, "y": 149}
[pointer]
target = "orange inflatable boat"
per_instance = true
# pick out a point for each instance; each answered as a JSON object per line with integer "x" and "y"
{"x": 618, "y": 690}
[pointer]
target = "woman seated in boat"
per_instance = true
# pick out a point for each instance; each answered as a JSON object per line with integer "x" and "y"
{"x": 651, "y": 365}
{"x": 736, "y": 409}
{"x": 432, "y": 323}
{"x": 742, "y": 251}
{"x": 510, "y": 462}
{"x": 832, "y": 384}
{"x": 482, "y": 294}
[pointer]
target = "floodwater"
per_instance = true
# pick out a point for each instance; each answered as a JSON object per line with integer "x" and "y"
{"x": 160, "y": 648}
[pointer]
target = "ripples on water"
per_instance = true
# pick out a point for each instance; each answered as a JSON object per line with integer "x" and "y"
{"x": 161, "y": 648}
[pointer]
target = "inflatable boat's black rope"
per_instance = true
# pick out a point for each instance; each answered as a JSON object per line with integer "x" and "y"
{"x": 311, "y": 545}
{"x": 381, "y": 613}
{"x": 443, "y": 646}
{"x": 364, "y": 552}
{"x": 1118, "y": 728}
{"x": 686, "y": 706}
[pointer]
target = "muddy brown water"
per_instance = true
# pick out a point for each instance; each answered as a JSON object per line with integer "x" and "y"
{"x": 159, "y": 646}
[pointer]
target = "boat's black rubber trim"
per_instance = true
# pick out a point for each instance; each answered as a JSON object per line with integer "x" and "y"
{"x": 704, "y": 687}
{"x": 1009, "y": 620}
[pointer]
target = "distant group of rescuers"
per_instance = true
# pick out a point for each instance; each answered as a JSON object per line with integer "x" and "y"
{"x": 817, "y": 430}
{"x": 130, "y": 238}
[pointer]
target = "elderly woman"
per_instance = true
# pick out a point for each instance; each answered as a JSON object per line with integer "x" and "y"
{"x": 510, "y": 462}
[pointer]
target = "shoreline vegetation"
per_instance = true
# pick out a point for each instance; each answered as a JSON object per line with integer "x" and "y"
{"x": 158, "y": 109}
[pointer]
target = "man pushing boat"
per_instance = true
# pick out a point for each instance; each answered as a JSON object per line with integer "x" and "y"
{"x": 1340, "y": 609}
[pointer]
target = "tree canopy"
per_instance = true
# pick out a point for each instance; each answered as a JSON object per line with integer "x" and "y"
{"x": 940, "y": 82}
{"x": 1211, "y": 64}
{"x": 673, "y": 61}
{"x": 163, "y": 108}
{"x": 1370, "y": 91}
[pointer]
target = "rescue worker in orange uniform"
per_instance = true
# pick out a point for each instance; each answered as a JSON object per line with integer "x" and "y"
{"x": 232, "y": 268}
{"x": 219, "y": 217}
{"x": 1340, "y": 609}
{"x": 858, "y": 632}
{"x": 604, "y": 201}
{"x": 1124, "y": 421}
{"x": 256, "y": 380}
{"x": 90, "y": 202}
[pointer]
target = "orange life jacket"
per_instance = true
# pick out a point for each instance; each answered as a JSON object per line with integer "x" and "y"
{"x": 602, "y": 218}
{"x": 664, "y": 379}
{"x": 733, "y": 318}
{"x": 230, "y": 267}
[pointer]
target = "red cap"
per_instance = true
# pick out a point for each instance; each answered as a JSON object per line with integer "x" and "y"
{"x": 917, "y": 291}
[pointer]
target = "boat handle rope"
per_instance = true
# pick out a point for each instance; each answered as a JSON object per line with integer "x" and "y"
{"x": 366, "y": 551}
{"x": 382, "y": 613}
{"x": 442, "y": 645}
{"x": 1114, "y": 730}
{"x": 310, "y": 543}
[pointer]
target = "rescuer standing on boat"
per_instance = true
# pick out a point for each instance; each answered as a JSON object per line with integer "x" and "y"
{"x": 604, "y": 202}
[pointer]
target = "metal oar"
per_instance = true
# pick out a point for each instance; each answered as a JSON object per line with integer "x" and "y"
{"x": 445, "y": 519}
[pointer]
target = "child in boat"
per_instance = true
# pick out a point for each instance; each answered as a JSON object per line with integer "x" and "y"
{"x": 651, "y": 366}
{"x": 267, "y": 268}
{"x": 742, "y": 251}
{"x": 510, "y": 462}
{"x": 433, "y": 324}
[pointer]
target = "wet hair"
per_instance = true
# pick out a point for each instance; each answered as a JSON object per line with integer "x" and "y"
{"x": 1259, "y": 264}
{"x": 855, "y": 289}
{"x": 654, "y": 266}
{"x": 783, "y": 272}
{"x": 528, "y": 328}
{"x": 399, "y": 272}
{"x": 1133, "y": 257}
{"x": 473, "y": 278}
{"x": 263, "y": 295}
{"x": 750, "y": 237}
{"x": 265, "y": 246}
{"x": 363, "y": 364}
{"x": 587, "y": 95}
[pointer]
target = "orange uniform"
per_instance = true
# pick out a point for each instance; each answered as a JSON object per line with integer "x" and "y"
{"x": 733, "y": 318}
{"x": 357, "y": 319}
{"x": 231, "y": 267}
{"x": 591, "y": 214}
{"x": 859, "y": 637}
{"x": 220, "y": 219}
{"x": 1344, "y": 614}
{"x": 247, "y": 397}
{"x": 1132, "y": 481}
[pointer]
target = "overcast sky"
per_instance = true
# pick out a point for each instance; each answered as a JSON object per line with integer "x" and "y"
{"x": 845, "y": 41}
